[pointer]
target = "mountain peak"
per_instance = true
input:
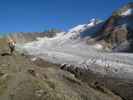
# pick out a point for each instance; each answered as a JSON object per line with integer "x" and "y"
{"x": 80, "y": 28}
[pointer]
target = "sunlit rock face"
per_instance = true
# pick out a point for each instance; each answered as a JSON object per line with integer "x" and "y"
{"x": 117, "y": 30}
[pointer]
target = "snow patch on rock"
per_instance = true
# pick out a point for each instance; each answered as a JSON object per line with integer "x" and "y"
{"x": 127, "y": 12}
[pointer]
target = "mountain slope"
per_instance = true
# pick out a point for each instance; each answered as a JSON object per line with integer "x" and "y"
{"x": 117, "y": 30}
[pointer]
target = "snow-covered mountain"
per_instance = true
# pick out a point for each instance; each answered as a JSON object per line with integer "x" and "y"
{"x": 66, "y": 39}
{"x": 83, "y": 27}
{"x": 74, "y": 47}
{"x": 76, "y": 34}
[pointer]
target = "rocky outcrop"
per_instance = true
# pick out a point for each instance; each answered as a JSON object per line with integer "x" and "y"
{"x": 121, "y": 87}
{"x": 117, "y": 31}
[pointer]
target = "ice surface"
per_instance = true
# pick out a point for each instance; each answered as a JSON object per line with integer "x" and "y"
{"x": 64, "y": 48}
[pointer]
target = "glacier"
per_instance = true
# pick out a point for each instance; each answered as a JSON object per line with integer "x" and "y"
{"x": 68, "y": 48}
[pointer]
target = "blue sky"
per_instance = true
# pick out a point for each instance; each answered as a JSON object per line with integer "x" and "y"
{"x": 38, "y": 15}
